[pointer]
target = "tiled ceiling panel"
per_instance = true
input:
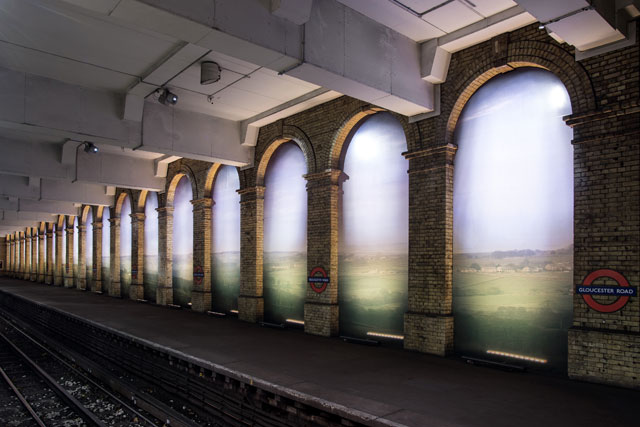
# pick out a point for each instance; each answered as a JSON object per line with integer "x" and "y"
{"x": 452, "y": 16}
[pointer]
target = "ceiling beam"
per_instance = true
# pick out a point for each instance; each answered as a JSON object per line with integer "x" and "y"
{"x": 54, "y": 190}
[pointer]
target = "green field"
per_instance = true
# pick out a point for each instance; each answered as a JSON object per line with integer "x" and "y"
{"x": 522, "y": 311}
{"x": 150, "y": 277}
{"x": 285, "y": 282}
{"x": 182, "y": 279}
{"x": 373, "y": 294}
{"x": 225, "y": 281}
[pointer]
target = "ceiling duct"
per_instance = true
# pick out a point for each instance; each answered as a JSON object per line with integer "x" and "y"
{"x": 209, "y": 72}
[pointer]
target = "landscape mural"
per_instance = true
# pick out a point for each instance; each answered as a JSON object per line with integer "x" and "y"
{"x": 89, "y": 249}
{"x": 75, "y": 246}
{"x": 182, "y": 243}
{"x": 285, "y": 234}
{"x": 513, "y": 221}
{"x": 150, "y": 277}
{"x": 125, "y": 247}
{"x": 106, "y": 247}
{"x": 225, "y": 231}
{"x": 373, "y": 248}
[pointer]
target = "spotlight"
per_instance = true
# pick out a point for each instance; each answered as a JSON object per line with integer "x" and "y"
{"x": 89, "y": 147}
{"x": 209, "y": 72}
{"x": 541, "y": 27}
{"x": 167, "y": 97}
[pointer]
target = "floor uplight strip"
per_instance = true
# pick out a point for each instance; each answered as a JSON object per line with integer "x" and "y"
{"x": 233, "y": 311}
{"x": 297, "y": 322}
{"x": 381, "y": 335}
{"x": 517, "y": 356}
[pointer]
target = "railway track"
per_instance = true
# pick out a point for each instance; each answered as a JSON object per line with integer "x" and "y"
{"x": 42, "y": 389}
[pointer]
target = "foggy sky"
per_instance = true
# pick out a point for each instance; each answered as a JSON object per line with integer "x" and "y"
{"x": 125, "y": 228}
{"x": 226, "y": 211}
{"x": 513, "y": 179}
{"x": 376, "y": 199}
{"x": 151, "y": 225}
{"x": 285, "y": 201}
{"x": 183, "y": 218}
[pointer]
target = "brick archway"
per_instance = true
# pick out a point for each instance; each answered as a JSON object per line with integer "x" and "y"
{"x": 289, "y": 134}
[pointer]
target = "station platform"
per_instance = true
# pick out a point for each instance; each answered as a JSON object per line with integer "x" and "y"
{"x": 384, "y": 385}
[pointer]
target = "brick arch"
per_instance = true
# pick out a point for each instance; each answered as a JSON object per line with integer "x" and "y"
{"x": 60, "y": 221}
{"x": 348, "y": 125}
{"x": 524, "y": 54}
{"x": 173, "y": 183}
{"x": 99, "y": 210}
{"x": 84, "y": 214}
{"x": 142, "y": 200}
{"x": 210, "y": 178}
{"x": 289, "y": 134}
{"x": 120, "y": 201}
{"x": 42, "y": 227}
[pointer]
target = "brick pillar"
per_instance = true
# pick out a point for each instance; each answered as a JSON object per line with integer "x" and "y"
{"x": 49, "y": 274}
{"x": 42, "y": 262}
{"x": 136, "y": 290}
{"x": 114, "y": 258}
{"x": 7, "y": 255}
{"x": 164, "y": 293}
{"x": 34, "y": 255}
{"x": 97, "y": 257}
{"x": 58, "y": 274}
{"x": 428, "y": 325}
{"x": 604, "y": 346}
{"x": 251, "y": 299}
{"x": 14, "y": 254}
{"x": 20, "y": 245}
{"x": 26, "y": 255}
{"x": 321, "y": 309}
{"x": 81, "y": 280}
{"x": 68, "y": 266}
{"x": 201, "y": 293}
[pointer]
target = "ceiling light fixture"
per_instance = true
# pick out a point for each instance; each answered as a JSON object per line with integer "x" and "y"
{"x": 89, "y": 147}
{"x": 167, "y": 97}
{"x": 209, "y": 72}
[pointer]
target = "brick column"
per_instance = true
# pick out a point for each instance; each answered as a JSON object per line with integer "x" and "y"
{"x": 428, "y": 325}
{"x": 321, "y": 309}
{"x": 7, "y": 255}
{"x": 604, "y": 346}
{"x": 251, "y": 299}
{"x": 14, "y": 255}
{"x": 114, "y": 258}
{"x": 26, "y": 254}
{"x": 20, "y": 255}
{"x": 34, "y": 255}
{"x": 68, "y": 267}
{"x": 42, "y": 262}
{"x": 201, "y": 293}
{"x": 136, "y": 290}
{"x": 23, "y": 257}
{"x": 81, "y": 280}
{"x": 58, "y": 274}
{"x": 164, "y": 293}
{"x": 97, "y": 257}
{"x": 49, "y": 274}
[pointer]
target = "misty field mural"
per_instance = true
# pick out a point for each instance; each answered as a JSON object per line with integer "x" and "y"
{"x": 285, "y": 235}
{"x": 150, "y": 277}
{"x": 225, "y": 240}
{"x": 88, "y": 249}
{"x": 373, "y": 246}
{"x": 182, "y": 243}
{"x": 125, "y": 247}
{"x": 513, "y": 220}
{"x": 106, "y": 247}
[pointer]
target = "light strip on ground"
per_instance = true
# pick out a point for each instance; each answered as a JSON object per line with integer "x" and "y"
{"x": 517, "y": 356}
{"x": 233, "y": 311}
{"x": 381, "y": 335}
{"x": 297, "y": 322}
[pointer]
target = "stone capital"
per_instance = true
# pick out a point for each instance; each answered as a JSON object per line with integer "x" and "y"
{"x": 204, "y": 203}
{"x": 137, "y": 217}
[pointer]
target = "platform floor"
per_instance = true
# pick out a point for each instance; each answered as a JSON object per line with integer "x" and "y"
{"x": 390, "y": 384}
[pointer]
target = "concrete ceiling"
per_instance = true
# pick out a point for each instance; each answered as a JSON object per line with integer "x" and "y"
{"x": 77, "y": 70}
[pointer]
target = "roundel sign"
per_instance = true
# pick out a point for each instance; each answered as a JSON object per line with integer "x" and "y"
{"x": 318, "y": 279}
{"x": 623, "y": 291}
{"x": 198, "y": 275}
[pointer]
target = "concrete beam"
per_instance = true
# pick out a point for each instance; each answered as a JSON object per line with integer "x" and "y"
{"x": 45, "y": 160}
{"x": 26, "y": 205}
{"x": 26, "y": 218}
{"x": 173, "y": 131}
{"x": 53, "y": 190}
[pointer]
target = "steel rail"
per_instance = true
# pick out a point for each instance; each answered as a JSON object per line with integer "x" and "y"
{"x": 22, "y": 399}
{"x": 74, "y": 404}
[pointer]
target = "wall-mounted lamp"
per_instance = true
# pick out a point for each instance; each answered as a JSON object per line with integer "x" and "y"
{"x": 167, "y": 98}
{"x": 89, "y": 147}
